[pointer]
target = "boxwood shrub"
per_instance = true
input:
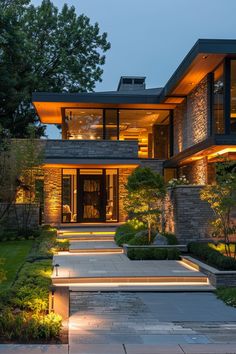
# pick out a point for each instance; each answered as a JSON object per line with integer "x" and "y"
{"x": 153, "y": 253}
{"x": 211, "y": 256}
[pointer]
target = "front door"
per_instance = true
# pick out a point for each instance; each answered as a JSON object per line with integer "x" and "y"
{"x": 91, "y": 198}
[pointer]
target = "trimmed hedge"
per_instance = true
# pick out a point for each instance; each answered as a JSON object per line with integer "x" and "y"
{"x": 211, "y": 256}
{"x": 153, "y": 253}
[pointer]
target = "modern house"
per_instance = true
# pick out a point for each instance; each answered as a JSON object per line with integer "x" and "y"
{"x": 178, "y": 129}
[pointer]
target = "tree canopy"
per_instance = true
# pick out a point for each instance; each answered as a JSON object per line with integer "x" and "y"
{"x": 44, "y": 49}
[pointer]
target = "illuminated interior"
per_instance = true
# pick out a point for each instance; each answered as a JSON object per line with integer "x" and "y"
{"x": 149, "y": 127}
{"x": 89, "y": 195}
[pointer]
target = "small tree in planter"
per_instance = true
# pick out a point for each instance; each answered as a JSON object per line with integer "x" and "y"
{"x": 222, "y": 198}
{"x": 146, "y": 191}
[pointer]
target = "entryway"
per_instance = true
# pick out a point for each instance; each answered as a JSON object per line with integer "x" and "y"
{"x": 89, "y": 195}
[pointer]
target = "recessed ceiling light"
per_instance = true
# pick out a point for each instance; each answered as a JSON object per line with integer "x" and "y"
{"x": 204, "y": 56}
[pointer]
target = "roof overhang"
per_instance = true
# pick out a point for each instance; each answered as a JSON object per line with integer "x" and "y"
{"x": 91, "y": 163}
{"x": 203, "y": 58}
{"x": 50, "y": 106}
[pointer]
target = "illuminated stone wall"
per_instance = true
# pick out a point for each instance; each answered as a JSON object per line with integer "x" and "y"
{"x": 52, "y": 196}
{"x": 186, "y": 215}
{"x": 123, "y": 177}
{"x": 195, "y": 172}
{"x": 191, "y": 121}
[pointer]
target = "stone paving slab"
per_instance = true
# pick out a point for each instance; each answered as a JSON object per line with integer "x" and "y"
{"x": 33, "y": 349}
{"x": 153, "y": 349}
{"x": 83, "y": 245}
{"x": 113, "y": 265}
{"x": 98, "y": 349}
{"x": 208, "y": 349}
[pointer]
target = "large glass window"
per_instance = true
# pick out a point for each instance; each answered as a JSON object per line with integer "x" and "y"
{"x": 69, "y": 195}
{"x": 111, "y": 124}
{"x": 233, "y": 97}
{"x": 150, "y": 128}
{"x": 218, "y": 100}
{"x": 85, "y": 124}
{"x": 111, "y": 195}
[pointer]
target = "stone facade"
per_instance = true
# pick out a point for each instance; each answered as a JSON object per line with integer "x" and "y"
{"x": 196, "y": 172}
{"x": 52, "y": 196}
{"x": 20, "y": 214}
{"x": 91, "y": 149}
{"x": 191, "y": 123}
{"x": 186, "y": 214}
{"x": 155, "y": 165}
{"x": 123, "y": 177}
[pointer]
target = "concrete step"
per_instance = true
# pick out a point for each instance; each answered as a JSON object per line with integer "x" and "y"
{"x": 101, "y": 281}
{"x": 86, "y": 237}
{"x": 94, "y": 247}
{"x": 142, "y": 288}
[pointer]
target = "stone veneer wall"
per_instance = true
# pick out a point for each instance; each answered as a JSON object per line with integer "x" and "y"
{"x": 155, "y": 165}
{"x": 21, "y": 214}
{"x": 191, "y": 123}
{"x": 91, "y": 149}
{"x": 196, "y": 172}
{"x": 186, "y": 215}
{"x": 123, "y": 177}
{"x": 52, "y": 196}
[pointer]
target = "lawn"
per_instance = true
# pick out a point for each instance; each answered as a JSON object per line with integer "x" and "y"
{"x": 14, "y": 254}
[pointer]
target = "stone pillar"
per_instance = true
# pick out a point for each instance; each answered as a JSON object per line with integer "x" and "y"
{"x": 187, "y": 216}
{"x": 52, "y": 196}
{"x": 123, "y": 177}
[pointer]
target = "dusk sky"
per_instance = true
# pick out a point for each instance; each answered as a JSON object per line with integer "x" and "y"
{"x": 151, "y": 37}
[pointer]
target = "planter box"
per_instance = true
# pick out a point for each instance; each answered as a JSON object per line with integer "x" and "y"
{"x": 216, "y": 277}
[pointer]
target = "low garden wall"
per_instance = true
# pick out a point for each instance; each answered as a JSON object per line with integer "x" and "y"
{"x": 186, "y": 215}
{"x": 216, "y": 277}
{"x": 19, "y": 215}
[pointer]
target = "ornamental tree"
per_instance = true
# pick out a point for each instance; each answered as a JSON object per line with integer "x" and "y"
{"x": 145, "y": 193}
{"x": 222, "y": 198}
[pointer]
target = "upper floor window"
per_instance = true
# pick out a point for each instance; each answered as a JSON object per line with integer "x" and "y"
{"x": 233, "y": 96}
{"x": 218, "y": 100}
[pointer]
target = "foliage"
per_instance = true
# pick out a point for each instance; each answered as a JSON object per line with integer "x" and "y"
{"x": 24, "y": 307}
{"x": 222, "y": 198}
{"x": 211, "y": 256}
{"x": 26, "y": 327}
{"x": 153, "y": 253}
{"x": 146, "y": 190}
{"x": 62, "y": 245}
{"x": 124, "y": 233}
{"x": 181, "y": 181}
{"x": 228, "y": 295}
{"x": 44, "y": 49}
{"x": 2, "y": 271}
{"x": 171, "y": 238}
{"x": 142, "y": 238}
{"x": 19, "y": 161}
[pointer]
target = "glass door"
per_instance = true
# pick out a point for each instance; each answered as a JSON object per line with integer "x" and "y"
{"x": 91, "y": 198}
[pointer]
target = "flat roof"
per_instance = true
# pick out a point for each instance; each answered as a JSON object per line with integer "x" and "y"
{"x": 204, "y": 56}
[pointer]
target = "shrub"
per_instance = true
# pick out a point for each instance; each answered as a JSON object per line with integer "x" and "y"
{"x": 126, "y": 232}
{"x": 171, "y": 238}
{"x": 153, "y": 253}
{"x": 24, "y": 327}
{"x": 62, "y": 245}
{"x": 211, "y": 256}
{"x": 228, "y": 295}
{"x": 141, "y": 238}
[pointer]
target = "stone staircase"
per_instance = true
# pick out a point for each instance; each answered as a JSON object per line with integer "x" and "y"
{"x": 95, "y": 263}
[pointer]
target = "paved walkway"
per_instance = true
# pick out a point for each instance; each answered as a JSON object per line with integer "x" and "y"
{"x": 113, "y": 265}
{"x": 148, "y": 323}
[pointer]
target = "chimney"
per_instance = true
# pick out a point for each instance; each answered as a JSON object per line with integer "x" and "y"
{"x": 131, "y": 83}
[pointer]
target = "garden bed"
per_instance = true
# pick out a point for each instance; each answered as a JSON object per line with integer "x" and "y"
{"x": 217, "y": 278}
{"x": 24, "y": 316}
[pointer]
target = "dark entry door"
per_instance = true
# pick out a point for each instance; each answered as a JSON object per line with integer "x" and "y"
{"x": 91, "y": 198}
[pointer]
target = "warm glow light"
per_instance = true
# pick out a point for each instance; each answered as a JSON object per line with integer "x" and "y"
{"x": 133, "y": 284}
